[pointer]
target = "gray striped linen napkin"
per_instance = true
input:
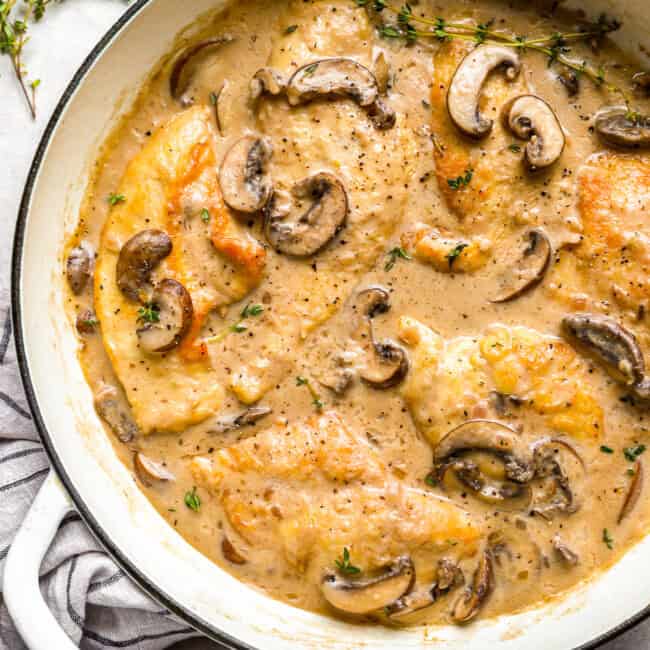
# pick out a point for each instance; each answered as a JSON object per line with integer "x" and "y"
{"x": 93, "y": 600}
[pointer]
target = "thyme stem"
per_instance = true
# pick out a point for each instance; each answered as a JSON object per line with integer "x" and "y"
{"x": 552, "y": 46}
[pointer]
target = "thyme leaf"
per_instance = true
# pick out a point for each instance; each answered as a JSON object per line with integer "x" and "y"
{"x": 397, "y": 253}
{"x": 344, "y": 565}
{"x": 193, "y": 500}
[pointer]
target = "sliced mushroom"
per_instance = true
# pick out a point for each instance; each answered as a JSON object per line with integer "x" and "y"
{"x": 465, "y": 88}
{"x": 216, "y": 99}
{"x": 382, "y": 72}
{"x": 78, "y": 268}
{"x": 448, "y": 575}
{"x": 267, "y": 81}
{"x": 244, "y": 175}
{"x": 301, "y": 230}
{"x": 185, "y": 66}
{"x": 137, "y": 259}
{"x": 528, "y": 270}
{"x": 382, "y": 115}
{"x": 566, "y": 554}
{"x": 369, "y": 594}
{"x": 231, "y": 553}
{"x": 619, "y": 126}
{"x": 336, "y": 76}
{"x": 609, "y": 343}
{"x": 553, "y": 492}
{"x": 386, "y": 366}
{"x": 641, "y": 80}
{"x": 490, "y": 436}
{"x": 633, "y": 492}
{"x": 175, "y": 313}
{"x": 411, "y": 603}
{"x": 530, "y": 118}
{"x": 469, "y": 602}
{"x": 505, "y": 494}
{"x": 86, "y": 322}
{"x": 109, "y": 408}
{"x": 247, "y": 417}
{"x": 371, "y": 301}
{"x": 149, "y": 470}
{"x": 342, "y": 77}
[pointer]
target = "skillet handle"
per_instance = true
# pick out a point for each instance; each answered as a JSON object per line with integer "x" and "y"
{"x": 33, "y": 620}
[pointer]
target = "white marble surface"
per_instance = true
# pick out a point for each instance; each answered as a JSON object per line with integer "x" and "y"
{"x": 59, "y": 44}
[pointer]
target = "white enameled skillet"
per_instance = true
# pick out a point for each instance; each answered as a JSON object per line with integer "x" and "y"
{"x": 88, "y": 477}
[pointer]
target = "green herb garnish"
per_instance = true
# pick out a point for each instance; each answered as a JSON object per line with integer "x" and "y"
{"x": 606, "y": 450}
{"x": 554, "y": 46}
{"x": 192, "y": 500}
{"x": 291, "y": 29}
{"x": 310, "y": 69}
{"x": 114, "y": 199}
{"x": 14, "y": 37}
{"x": 345, "y": 566}
{"x": 394, "y": 255}
{"x": 205, "y": 215}
{"x": 149, "y": 313}
{"x": 632, "y": 453}
{"x": 461, "y": 181}
{"x": 515, "y": 148}
{"x": 249, "y": 311}
{"x": 452, "y": 256}
{"x": 214, "y": 98}
{"x": 608, "y": 539}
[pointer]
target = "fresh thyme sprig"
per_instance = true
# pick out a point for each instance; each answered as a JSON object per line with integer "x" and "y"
{"x": 14, "y": 26}
{"x": 554, "y": 46}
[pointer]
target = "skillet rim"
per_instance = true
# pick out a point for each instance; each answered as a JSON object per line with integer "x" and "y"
{"x": 226, "y": 641}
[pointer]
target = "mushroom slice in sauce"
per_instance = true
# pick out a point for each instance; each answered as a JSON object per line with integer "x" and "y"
{"x": 150, "y": 470}
{"x": 465, "y": 88}
{"x": 267, "y": 81}
{"x": 386, "y": 362}
{"x": 371, "y": 301}
{"x": 337, "y": 76}
{"x": 137, "y": 259}
{"x": 619, "y": 126}
{"x": 247, "y": 417}
{"x": 244, "y": 174}
{"x": 530, "y": 118}
{"x": 78, "y": 268}
{"x": 109, "y": 408}
{"x": 299, "y": 230}
{"x": 366, "y": 595}
{"x": 566, "y": 554}
{"x": 504, "y": 494}
{"x": 472, "y": 599}
{"x": 185, "y": 65}
{"x": 633, "y": 492}
{"x": 609, "y": 342}
{"x": 490, "y": 436}
{"x": 175, "y": 313}
{"x": 387, "y": 365}
{"x": 528, "y": 270}
{"x": 557, "y": 466}
{"x": 231, "y": 553}
{"x": 411, "y": 603}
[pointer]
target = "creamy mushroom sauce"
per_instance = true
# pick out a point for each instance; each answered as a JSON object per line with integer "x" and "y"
{"x": 333, "y": 486}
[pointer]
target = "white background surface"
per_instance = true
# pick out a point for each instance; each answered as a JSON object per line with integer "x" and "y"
{"x": 58, "y": 46}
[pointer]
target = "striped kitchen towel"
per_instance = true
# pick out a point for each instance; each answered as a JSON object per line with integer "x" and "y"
{"x": 93, "y": 600}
